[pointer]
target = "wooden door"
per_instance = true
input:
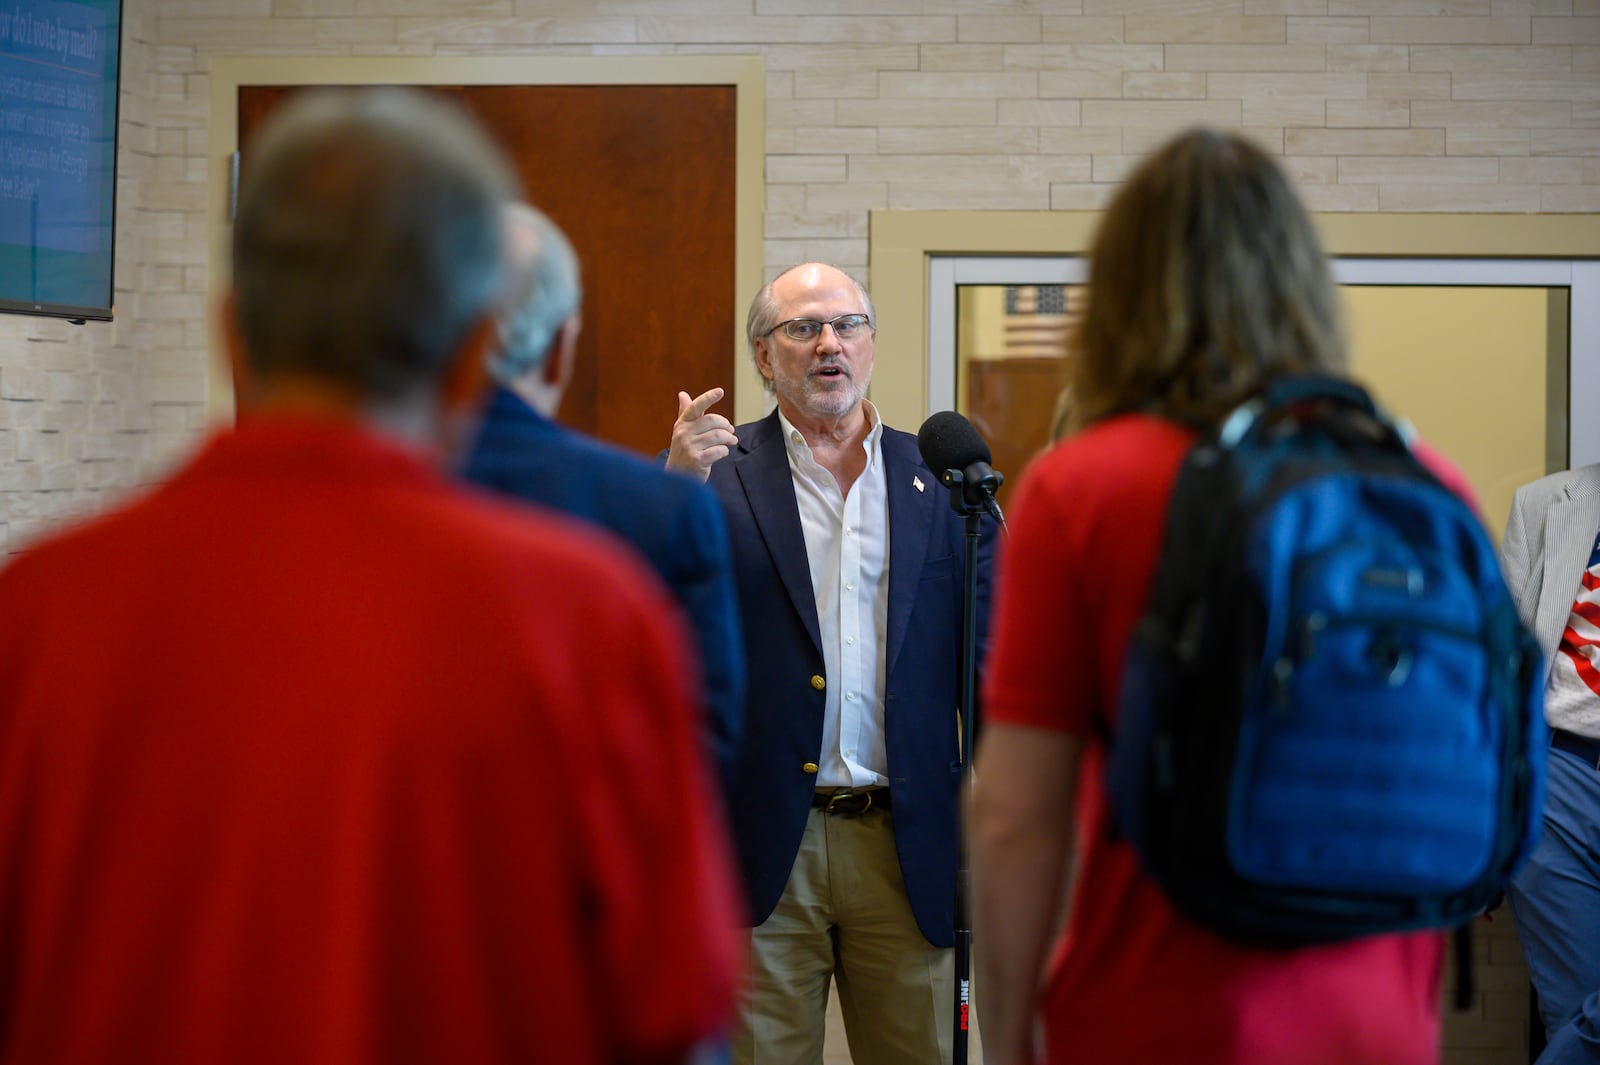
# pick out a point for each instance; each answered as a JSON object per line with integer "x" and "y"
{"x": 1011, "y": 403}
{"x": 641, "y": 178}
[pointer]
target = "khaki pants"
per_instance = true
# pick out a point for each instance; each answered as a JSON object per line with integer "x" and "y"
{"x": 844, "y": 914}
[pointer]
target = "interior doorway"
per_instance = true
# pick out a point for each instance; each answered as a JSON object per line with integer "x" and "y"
{"x": 652, "y": 165}
{"x": 1486, "y": 358}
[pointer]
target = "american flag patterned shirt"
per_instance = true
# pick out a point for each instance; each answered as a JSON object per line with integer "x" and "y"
{"x": 1572, "y": 701}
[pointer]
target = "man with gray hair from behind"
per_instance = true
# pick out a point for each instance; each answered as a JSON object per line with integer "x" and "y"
{"x": 311, "y": 755}
{"x": 521, "y": 451}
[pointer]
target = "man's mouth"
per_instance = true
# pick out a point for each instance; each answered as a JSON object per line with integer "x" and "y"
{"x": 830, "y": 371}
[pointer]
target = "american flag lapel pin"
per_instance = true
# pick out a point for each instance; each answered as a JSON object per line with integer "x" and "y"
{"x": 916, "y": 482}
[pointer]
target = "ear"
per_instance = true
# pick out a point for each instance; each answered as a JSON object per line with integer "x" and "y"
{"x": 563, "y": 356}
{"x": 763, "y": 358}
{"x": 466, "y": 378}
{"x": 234, "y": 352}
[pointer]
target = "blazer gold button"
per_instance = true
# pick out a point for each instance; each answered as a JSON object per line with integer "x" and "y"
{"x": 809, "y": 767}
{"x": 818, "y": 683}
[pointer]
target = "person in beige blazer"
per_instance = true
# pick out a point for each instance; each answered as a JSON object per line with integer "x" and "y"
{"x": 1551, "y": 556}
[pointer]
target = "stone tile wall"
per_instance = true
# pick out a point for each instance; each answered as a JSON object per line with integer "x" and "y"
{"x": 1375, "y": 105}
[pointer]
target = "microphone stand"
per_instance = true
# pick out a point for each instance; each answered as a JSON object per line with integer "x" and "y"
{"x": 971, "y": 497}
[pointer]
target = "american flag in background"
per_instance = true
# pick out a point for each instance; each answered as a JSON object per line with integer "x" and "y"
{"x": 1038, "y": 317}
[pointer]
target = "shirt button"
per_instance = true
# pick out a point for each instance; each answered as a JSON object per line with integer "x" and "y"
{"x": 849, "y": 697}
{"x": 809, "y": 767}
{"x": 849, "y": 587}
{"x": 849, "y": 639}
{"x": 818, "y": 683}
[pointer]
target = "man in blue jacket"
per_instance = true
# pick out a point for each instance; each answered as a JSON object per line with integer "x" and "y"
{"x": 521, "y": 451}
{"x": 849, "y": 561}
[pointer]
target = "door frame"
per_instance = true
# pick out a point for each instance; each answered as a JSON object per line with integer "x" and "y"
{"x": 1578, "y": 445}
{"x": 904, "y": 244}
{"x": 746, "y": 74}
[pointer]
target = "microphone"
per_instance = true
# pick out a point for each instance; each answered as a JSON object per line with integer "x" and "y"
{"x": 960, "y": 459}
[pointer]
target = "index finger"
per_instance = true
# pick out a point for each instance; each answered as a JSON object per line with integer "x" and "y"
{"x": 699, "y": 405}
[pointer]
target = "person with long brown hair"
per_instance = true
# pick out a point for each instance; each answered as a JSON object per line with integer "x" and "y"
{"x": 1206, "y": 281}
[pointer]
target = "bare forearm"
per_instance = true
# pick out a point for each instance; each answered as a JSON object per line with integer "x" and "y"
{"x": 1021, "y": 835}
{"x": 1016, "y": 896}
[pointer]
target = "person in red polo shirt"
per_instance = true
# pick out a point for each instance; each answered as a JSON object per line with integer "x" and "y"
{"x": 309, "y": 755}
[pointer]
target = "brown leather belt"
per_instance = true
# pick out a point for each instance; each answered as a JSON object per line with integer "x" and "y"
{"x": 847, "y": 802}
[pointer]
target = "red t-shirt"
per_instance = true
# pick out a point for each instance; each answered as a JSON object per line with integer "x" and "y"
{"x": 1131, "y": 980}
{"x": 312, "y": 757}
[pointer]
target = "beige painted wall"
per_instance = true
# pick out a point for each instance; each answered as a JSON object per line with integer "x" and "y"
{"x": 980, "y": 322}
{"x": 1467, "y": 368}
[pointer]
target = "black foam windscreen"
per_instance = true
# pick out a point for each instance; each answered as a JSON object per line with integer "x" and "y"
{"x": 949, "y": 442}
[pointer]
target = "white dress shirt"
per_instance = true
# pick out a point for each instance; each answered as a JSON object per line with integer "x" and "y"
{"x": 847, "y": 545}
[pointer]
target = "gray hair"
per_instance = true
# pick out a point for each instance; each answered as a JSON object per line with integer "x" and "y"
{"x": 545, "y": 291}
{"x": 368, "y": 242}
{"x": 763, "y": 317}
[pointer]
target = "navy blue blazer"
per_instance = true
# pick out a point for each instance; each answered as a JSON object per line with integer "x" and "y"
{"x": 771, "y": 791}
{"x": 670, "y": 519}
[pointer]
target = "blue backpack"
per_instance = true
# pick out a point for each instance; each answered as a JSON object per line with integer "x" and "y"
{"x": 1331, "y": 719}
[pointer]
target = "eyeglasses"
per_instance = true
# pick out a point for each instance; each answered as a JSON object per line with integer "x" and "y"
{"x": 844, "y": 327}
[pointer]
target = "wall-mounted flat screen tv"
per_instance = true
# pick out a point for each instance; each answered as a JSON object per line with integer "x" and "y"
{"x": 58, "y": 151}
